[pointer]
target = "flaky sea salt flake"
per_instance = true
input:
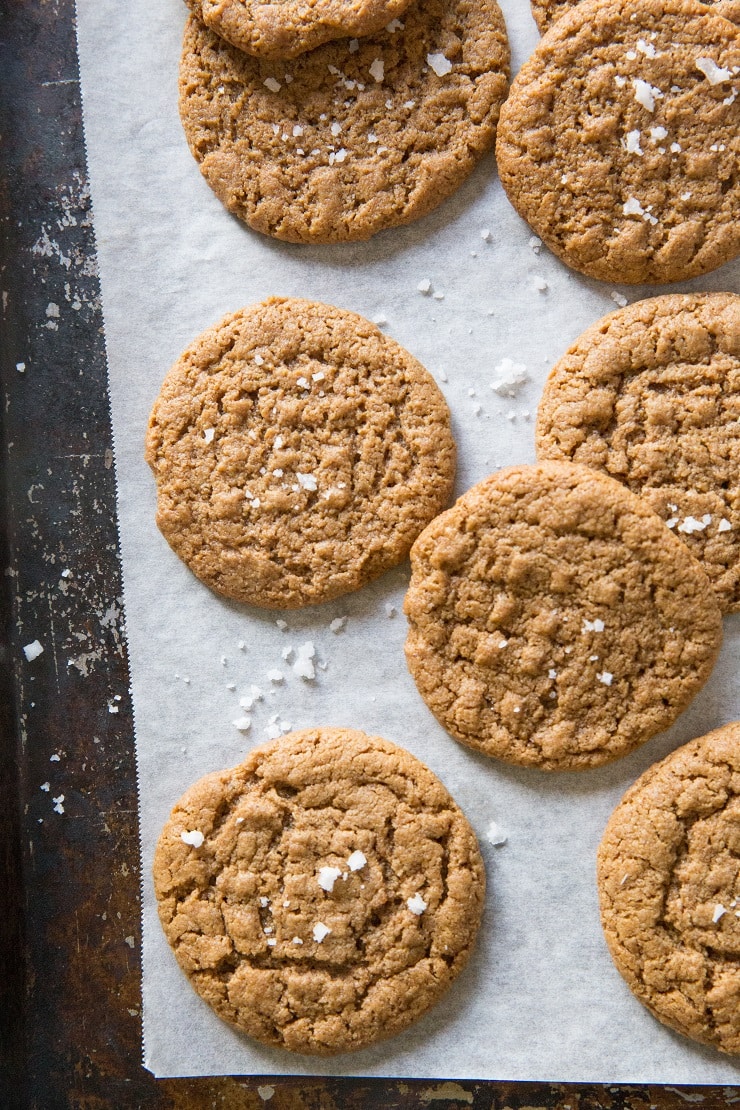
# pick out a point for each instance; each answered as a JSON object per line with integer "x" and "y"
{"x": 33, "y": 650}
{"x": 327, "y": 877}
{"x": 377, "y": 70}
{"x": 416, "y": 904}
{"x": 271, "y": 84}
{"x": 320, "y": 931}
{"x": 357, "y": 860}
{"x": 714, "y": 74}
{"x": 606, "y": 678}
{"x": 194, "y": 838}
{"x": 439, "y": 63}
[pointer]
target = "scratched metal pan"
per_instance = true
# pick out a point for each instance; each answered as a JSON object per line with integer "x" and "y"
{"x": 70, "y": 1029}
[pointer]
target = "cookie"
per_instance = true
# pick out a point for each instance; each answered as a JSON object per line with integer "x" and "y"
{"x": 554, "y": 621}
{"x": 284, "y": 28}
{"x": 298, "y": 452}
{"x": 324, "y": 894}
{"x": 651, "y": 396}
{"x": 669, "y": 888}
{"x": 545, "y": 12}
{"x": 619, "y": 143}
{"x": 355, "y": 136}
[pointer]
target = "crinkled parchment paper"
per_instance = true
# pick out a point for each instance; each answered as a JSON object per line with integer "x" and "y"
{"x": 540, "y": 999}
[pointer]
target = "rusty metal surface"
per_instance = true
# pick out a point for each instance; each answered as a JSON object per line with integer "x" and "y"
{"x": 69, "y": 867}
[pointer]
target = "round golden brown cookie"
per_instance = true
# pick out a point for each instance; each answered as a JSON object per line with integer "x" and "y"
{"x": 324, "y": 894}
{"x": 355, "y": 136}
{"x": 669, "y": 887}
{"x": 545, "y": 12}
{"x": 555, "y": 622}
{"x": 651, "y": 395}
{"x": 620, "y": 140}
{"x": 298, "y": 452}
{"x": 284, "y": 28}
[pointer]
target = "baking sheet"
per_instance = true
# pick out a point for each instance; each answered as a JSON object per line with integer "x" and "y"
{"x": 540, "y": 999}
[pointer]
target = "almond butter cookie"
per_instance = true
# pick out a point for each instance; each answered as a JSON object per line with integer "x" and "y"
{"x": 545, "y": 12}
{"x": 324, "y": 894}
{"x": 554, "y": 621}
{"x": 620, "y": 140}
{"x": 298, "y": 452}
{"x": 651, "y": 396}
{"x": 284, "y": 28}
{"x": 669, "y": 888}
{"x": 355, "y": 136}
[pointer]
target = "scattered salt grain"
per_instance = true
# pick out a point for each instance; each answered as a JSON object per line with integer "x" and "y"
{"x": 320, "y": 931}
{"x": 276, "y": 676}
{"x": 632, "y": 142}
{"x": 243, "y": 724}
{"x": 495, "y": 835}
{"x": 425, "y": 287}
{"x": 32, "y": 651}
{"x": 58, "y": 807}
{"x": 724, "y": 526}
{"x": 303, "y": 666}
{"x": 605, "y": 677}
{"x": 208, "y": 434}
{"x": 194, "y": 838}
{"x": 306, "y": 481}
{"x": 719, "y": 911}
{"x": 271, "y": 84}
{"x": 593, "y": 626}
{"x": 266, "y": 1092}
{"x": 338, "y": 624}
{"x": 486, "y": 235}
{"x": 618, "y": 298}
{"x": 512, "y": 375}
{"x": 357, "y": 860}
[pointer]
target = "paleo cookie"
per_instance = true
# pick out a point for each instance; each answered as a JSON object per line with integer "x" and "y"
{"x": 554, "y": 621}
{"x": 669, "y": 888}
{"x": 545, "y": 12}
{"x": 298, "y": 452}
{"x": 651, "y": 395}
{"x": 620, "y": 141}
{"x": 284, "y": 28}
{"x": 355, "y": 136}
{"x": 324, "y": 894}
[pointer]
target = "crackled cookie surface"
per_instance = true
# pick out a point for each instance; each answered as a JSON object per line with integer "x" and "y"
{"x": 298, "y": 452}
{"x": 620, "y": 141}
{"x": 651, "y": 396}
{"x": 546, "y": 12}
{"x": 322, "y": 895}
{"x": 284, "y": 28}
{"x": 355, "y": 136}
{"x": 555, "y": 622}
{"x": 669, "y": 887}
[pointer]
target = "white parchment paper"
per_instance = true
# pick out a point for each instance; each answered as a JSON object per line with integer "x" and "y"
{"x": 541, "y": 999}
